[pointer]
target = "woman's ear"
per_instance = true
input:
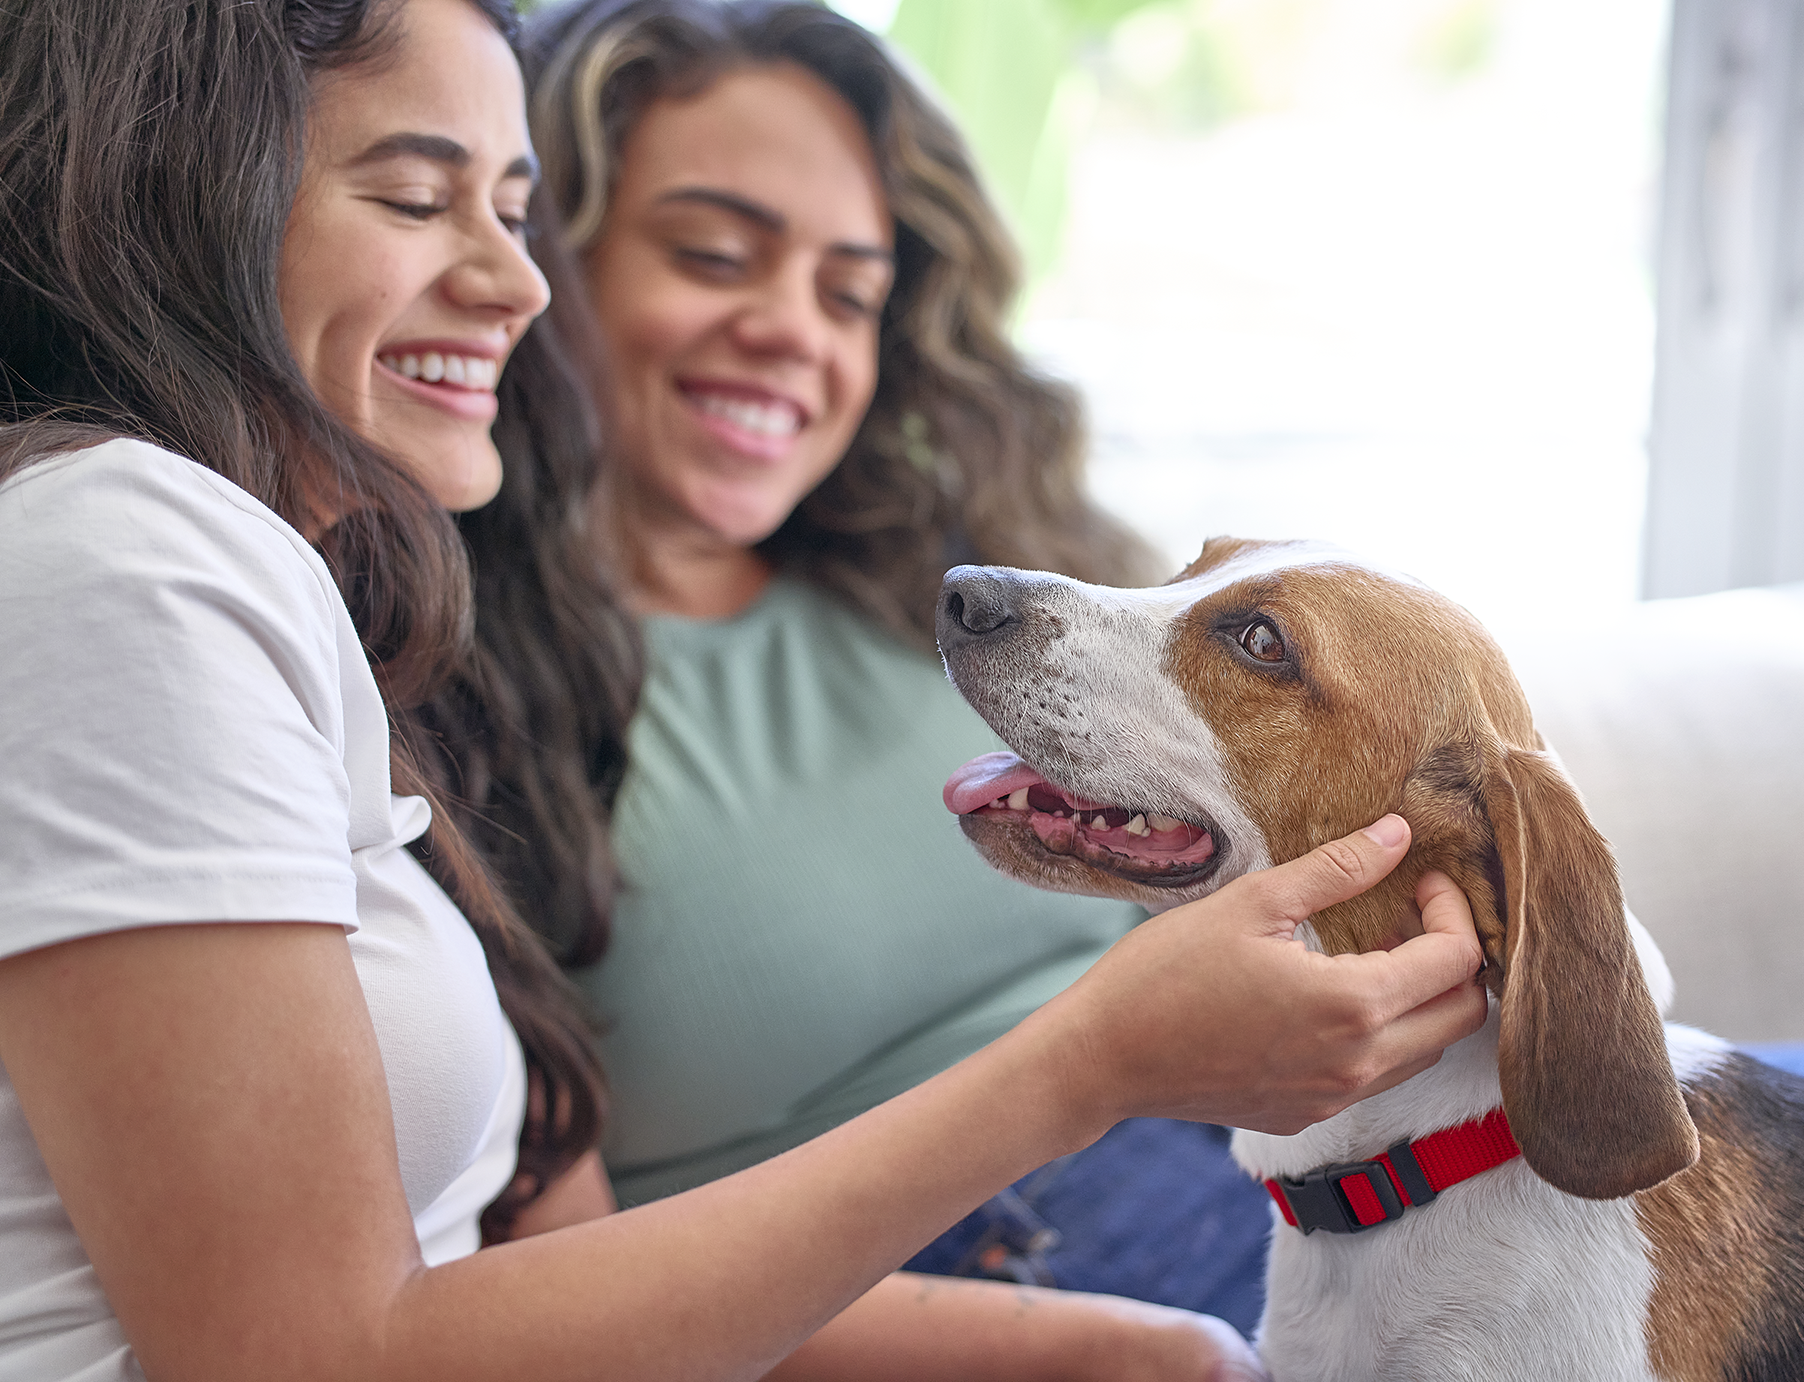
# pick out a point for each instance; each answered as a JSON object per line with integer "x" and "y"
{"x": 1587, "y": 1084}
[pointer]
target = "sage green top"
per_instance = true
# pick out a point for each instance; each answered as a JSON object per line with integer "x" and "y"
{"x": 802, "y": 931}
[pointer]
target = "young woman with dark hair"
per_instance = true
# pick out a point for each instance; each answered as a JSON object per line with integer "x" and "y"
{"x": 123, "y": 313}
{"x": 260, "y": 265}
{"x": 816, "y": 409}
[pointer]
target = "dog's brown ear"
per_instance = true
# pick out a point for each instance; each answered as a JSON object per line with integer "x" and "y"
{"x": 1216, "y": 551}
{"x": 1587, "y": 1085}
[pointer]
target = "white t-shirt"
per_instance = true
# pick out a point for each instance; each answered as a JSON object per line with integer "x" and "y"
{"x": 189, "y": 733}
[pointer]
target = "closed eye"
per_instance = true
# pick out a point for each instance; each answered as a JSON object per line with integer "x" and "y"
{"x": 856, "y": 305}
{"x": 416, "y": 211}
{"x": 712, "y": 263}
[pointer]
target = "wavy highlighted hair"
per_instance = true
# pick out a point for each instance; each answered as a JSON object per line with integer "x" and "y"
{"x": 966, "y": 454}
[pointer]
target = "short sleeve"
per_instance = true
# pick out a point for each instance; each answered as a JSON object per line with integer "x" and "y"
{"x": 171, "y": 712}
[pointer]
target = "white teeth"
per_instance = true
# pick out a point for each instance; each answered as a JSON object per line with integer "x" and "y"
{"x": 1158, "y": 822}
{"x": 1137, "y": 826}
{"x": 1017, "y": 799}
{"x": 766, "y": 419}
{"x": 1099, "y": 822}
{"x": 474, "y": 372}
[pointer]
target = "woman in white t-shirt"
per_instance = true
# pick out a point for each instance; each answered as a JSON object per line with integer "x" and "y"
{"x": 261, "y": 262}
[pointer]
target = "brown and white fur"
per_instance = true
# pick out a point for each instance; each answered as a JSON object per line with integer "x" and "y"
{"x": 1652, "y": 1227}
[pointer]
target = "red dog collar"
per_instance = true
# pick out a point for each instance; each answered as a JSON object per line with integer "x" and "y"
{"x": 1352, "y": 1196}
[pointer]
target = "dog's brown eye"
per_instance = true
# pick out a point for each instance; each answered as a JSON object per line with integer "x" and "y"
{"x": 1262, "y": 641}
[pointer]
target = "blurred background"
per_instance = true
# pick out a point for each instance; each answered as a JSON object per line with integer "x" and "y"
{"x": 1376, "y": 271}
{"x": 1508, "y": 294}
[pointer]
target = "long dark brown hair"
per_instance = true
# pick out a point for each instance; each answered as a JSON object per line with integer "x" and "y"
{"x": 149, "y": 158}
{"x": 966, "y": 453}
{"x": 532, "y": 726}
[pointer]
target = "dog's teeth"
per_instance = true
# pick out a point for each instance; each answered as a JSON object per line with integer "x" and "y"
{"x": 1001, "y": 803}
{"x": 1158, "y": 822}
{"x": 1137, "y": 826}
{"x": 1017, "y": 799}
{"x": 1098, "y": 823}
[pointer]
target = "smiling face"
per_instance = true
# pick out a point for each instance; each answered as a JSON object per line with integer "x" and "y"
{"x": 405, "y": 280}
{"x": 739, "y": 280}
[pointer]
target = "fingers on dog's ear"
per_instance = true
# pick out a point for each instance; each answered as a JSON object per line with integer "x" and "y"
{"x": 1338, "y": 870}
{"x": 1587, "y": 1083}
{"x": 1443, "y": 906}
{"x": 1437, "y": 963}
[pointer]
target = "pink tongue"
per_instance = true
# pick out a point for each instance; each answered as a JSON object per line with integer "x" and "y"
{"x": 983, "y": 779}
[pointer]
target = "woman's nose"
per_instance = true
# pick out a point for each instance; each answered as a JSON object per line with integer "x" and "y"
{"x": 500, "y": 276}
{"x": 785, "y": 317}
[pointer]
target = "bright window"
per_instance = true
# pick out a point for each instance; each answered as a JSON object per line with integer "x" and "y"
{"x": 1375, "y": 271}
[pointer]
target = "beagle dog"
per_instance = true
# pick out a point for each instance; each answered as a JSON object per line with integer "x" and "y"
{"x": 1573, "y": 1192}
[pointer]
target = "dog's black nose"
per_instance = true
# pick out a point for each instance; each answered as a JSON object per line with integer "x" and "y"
{"x": 975, "y": 601}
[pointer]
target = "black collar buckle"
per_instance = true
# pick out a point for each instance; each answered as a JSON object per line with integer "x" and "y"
{"x": 1347, "y": 1197}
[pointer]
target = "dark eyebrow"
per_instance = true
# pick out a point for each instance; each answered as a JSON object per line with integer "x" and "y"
{"x": 765, "y": 218}
{"x": 438, "y": 149}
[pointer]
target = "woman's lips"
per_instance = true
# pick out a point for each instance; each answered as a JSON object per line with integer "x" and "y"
{"x": 464, "y": 402}
{"x": 755, "y": 424}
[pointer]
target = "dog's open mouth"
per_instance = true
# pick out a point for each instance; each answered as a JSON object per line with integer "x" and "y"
{"x": 1135, "y": 844}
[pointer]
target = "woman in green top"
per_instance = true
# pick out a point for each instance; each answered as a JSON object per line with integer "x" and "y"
{"x": 804, "y": 292}
{"x": 816, "y": 410}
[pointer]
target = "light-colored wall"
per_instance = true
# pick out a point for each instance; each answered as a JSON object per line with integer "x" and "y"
{"x": 1682, "y": 721}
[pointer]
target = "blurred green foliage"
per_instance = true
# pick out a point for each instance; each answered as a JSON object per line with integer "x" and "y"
{"x": 1025, "y": 77}
{"x": 1195, "y": 63}
{"x": 1459, "y": 41}
{"x": 1013, "y": 75}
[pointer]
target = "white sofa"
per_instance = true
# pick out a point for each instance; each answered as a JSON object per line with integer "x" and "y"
{"x": 1683, "y": 723}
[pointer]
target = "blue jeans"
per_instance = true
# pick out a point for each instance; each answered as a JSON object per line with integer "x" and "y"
{"x": 1787, "y": 1055}
{"x": 1155, "y": 1210}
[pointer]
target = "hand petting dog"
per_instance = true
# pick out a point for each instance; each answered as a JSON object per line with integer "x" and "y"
{"x": 1300, "y": 1035}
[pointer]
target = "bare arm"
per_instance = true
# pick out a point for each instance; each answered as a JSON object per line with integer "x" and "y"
{"x": 913, "y": 1328}
{"x": 211, "y": 1104}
